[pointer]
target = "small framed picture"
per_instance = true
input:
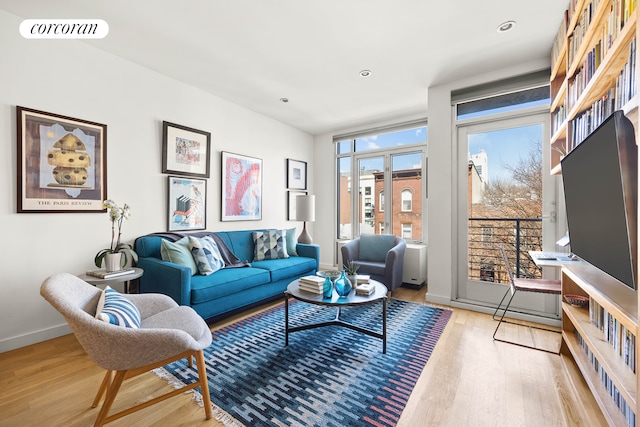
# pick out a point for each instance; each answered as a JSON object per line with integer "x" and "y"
{"x": 185, "y": 151}
{"x": 241, "y": 188}
{"x": 291, "y": 203}
{"x": 62, "y": 163}
{"x": 296, "y": 174}
{"x": 187, "y": 204}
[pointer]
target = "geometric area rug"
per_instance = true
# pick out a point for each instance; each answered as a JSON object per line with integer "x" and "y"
{"x": 329, "y": 376}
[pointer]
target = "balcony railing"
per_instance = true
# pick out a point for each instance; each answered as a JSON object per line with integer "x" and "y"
{"x": 517, "y": 236}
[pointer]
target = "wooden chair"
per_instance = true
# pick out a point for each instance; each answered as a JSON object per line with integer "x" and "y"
{"x": 168, "y": 332}
{"x": 517, "y": 284}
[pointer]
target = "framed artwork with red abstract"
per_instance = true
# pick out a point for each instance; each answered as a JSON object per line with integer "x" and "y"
{"x": 241, "y": 188}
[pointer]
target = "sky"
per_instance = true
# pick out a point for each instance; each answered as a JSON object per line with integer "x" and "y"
{"x": 505, "y": 147}
{"x": 394, "y": 139}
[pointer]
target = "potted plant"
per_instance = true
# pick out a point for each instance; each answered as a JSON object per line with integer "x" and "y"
{"x": 351, "y": 271}
{"x": 118, "y": 253}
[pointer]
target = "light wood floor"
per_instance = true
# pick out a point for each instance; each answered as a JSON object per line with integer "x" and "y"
{"x": 470, "y": 380}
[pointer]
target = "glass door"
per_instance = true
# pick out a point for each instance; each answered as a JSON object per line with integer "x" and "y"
{"x": 506, "y": 197}
{"x": 391, "y": 194}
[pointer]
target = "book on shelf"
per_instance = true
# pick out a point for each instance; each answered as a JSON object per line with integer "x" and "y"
{"x": 365, "y": 289}
{"x": 104, "y": 274}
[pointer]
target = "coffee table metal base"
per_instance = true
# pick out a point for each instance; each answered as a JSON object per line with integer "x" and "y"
{"x": 338, "y": 322}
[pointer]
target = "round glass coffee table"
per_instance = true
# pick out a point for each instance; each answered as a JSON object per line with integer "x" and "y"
{"x": 378, "y": 295}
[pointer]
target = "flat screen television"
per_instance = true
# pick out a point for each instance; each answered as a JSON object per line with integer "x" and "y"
{"x": 600, "y": 179}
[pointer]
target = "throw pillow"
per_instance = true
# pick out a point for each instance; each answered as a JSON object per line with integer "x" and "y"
{"x": 291, "y": 242}
{"x": 115, "y": 309}
{"x": 269, "y": 244}
{"x": 178, "y": 253}
{"x": 206, "y": 254}
{"x": 374, "y": 247}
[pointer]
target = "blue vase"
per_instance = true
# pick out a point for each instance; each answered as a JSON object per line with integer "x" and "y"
{"x": 343, "y": 285}
{"x": 327, "y": 288}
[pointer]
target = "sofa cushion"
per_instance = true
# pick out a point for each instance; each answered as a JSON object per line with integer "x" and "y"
{"x": 206, "y": 254}
{"x": 269, "y": 244}
{"x": 286, "y": 268}
{"x": 115, "y": 309}
{"x": 178, "y": 253}
{"x": 225, "y": 282}
{"x": 374, "y": 247}
{"x": 240, "y": 243}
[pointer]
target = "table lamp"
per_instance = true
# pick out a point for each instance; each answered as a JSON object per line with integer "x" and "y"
{"x": 305, "y": 211}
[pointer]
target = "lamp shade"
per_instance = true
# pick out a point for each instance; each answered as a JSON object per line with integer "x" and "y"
{"x": 306, "y": 208}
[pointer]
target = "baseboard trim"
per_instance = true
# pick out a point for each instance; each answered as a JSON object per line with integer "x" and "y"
{"x": 34, "y": 337}
{"x": 434, "y": 299}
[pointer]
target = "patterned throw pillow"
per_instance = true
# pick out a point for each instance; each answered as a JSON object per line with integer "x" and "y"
{"x": 206, "y": 254}
{"x": 269, "y": 244}
{"x": 115, "y": 309}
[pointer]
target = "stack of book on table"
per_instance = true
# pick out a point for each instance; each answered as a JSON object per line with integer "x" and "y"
{"x": 365, "y": 289}
{"x": 362, "y": 278}
{"x": 311, "y": 284}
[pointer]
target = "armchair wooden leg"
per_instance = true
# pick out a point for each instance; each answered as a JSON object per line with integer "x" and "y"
{"x": 105, "y": 384}
{"x": 204, "y": 383}
{"x": 111, "y": 384}
{"x": 112, "y": 391}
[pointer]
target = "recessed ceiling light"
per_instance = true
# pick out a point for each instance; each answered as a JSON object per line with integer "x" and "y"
{"x": 365, "y": 73}
{"x": 285, "y": 100}
{"x": 506, "y": 26}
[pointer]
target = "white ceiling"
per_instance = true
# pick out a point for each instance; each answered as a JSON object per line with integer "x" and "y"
{"x": 254, "y": 52}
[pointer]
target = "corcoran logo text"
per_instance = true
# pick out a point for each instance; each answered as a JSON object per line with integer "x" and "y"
{"x": 64, "y": 29}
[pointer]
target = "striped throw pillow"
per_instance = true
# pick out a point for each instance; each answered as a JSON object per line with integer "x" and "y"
{"x": 117, "y": 310}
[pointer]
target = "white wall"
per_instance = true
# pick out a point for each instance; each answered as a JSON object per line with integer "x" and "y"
{"x": 74, "y": 79}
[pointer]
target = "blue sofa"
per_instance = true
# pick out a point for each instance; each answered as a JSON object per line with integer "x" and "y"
{"x": 227, "y": 290}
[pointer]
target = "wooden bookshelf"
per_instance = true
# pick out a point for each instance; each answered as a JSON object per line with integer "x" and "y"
{"x": 593, "y": 73}
{"x": 572, "y": 93}
{"x": 621, "y": 302}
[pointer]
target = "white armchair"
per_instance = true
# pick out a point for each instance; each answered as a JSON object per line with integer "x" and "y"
{"x": 168, "y": 332}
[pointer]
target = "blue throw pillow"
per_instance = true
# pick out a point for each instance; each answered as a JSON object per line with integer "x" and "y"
{"x": 178, "y": 253}
{"x": 291, "y": 242}
{"x": 206, "y": 254}
{"x": 374, "y": 247}
{"x": 115, "y": 309}
{"x": 269, "y": 244}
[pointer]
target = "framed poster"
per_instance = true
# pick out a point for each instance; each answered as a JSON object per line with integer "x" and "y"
{"x": 185, "y": 151}
{"x": 187, "y": 204}
{"x": 291, "y": 204}
{"x": 62, "y": 163}
{"x": 241, "y": 187}
{"x": 296, "y": 174}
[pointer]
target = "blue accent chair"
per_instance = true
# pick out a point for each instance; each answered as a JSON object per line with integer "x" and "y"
{"x": 381, "y": 256}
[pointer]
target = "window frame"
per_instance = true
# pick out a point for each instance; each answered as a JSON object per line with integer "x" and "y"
{"x": 419, "y": 148}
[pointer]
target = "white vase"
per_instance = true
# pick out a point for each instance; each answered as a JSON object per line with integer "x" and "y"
{"x": 353, "y": 278}
{"x": 113, "y": 262}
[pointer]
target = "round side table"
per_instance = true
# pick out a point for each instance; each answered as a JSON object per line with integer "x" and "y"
{"x": 123, "y": 278}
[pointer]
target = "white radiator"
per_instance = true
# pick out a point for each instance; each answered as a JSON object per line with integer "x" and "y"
{"x": 415, "y": 265}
